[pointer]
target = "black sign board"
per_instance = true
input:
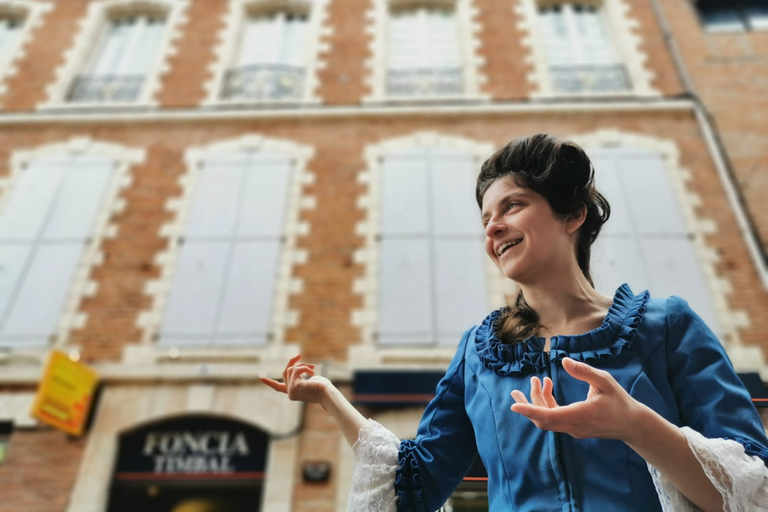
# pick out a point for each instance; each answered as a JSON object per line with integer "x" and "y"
{"x": 192, "y": 447}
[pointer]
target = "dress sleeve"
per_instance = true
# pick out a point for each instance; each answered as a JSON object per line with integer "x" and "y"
{"x": 722, "y": 426}
{"x": 373, "y": 473}
{"x": 432, "y": 465}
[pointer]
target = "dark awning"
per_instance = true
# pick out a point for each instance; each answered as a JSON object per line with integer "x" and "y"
{"x": 756, "y": 388}
{"x": 395, "y": 388}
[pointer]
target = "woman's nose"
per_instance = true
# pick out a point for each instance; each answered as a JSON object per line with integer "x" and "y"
{"x": 494, "y": 228}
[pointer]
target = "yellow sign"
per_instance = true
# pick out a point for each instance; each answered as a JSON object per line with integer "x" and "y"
{"x": 65, "y": 394}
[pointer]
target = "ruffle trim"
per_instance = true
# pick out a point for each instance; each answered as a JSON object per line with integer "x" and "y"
{"x": 615, "y": 334}
{"x": 409, "y": 484}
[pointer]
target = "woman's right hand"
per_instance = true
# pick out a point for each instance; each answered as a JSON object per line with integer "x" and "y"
{"x": 312, "y": 389}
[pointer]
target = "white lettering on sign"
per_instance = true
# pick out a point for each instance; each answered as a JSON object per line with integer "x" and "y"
{"x": 194, "y": 452}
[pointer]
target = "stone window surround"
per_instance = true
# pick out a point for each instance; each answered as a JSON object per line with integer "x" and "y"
{"x": 82, "y": 284}
{"x": 369, "y": 354}
{"x": 229, "y": 36}
{"x": 89, "y": 32}
{"x": 128, "y": 406}
{"x": 719, "y": 287}
{"x": 624, "y": 34}
{"x": 33, "y": 14}
{"x": 276, "y": 351}
{"x": 469, "y": 44}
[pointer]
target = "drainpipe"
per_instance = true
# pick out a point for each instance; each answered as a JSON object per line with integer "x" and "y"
{"x": 717, "y": 151}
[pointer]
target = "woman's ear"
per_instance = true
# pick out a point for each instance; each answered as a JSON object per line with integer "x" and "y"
{"x": 576, "y": 220}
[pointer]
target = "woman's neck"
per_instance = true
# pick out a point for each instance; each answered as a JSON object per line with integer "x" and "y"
{"x": 566, "y": 303}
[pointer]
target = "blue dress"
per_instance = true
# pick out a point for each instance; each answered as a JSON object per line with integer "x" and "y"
{"x": 659, "y": 350}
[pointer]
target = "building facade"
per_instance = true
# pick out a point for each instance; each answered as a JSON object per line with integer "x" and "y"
{"x": 194, "y": 191}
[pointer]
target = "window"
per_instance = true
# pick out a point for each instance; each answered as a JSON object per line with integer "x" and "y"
{"x": 10, "y": 33}
{"x": 44, "y": 228}
{"x": 424, "y": 57}
{"x": 224, "y": 284}
{"x": 580, "y": 53}
{"x": 118, "y": 64}
{"x": 271, "y": 62}
{"x": 647, "y": 247}
{"x": 431, "y": 278}
{"x": 737, "y": 15}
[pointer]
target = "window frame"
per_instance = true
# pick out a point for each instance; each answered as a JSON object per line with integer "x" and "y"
{"x": 82, "y": 284}
{"x": 150, "y": 321}
{"x": 228, "y": 49}
{"x": 93, "y": 26}
{"x": 746, "y": 23}
{"x": 377, "y": 66}
{"x": 625, "y": 40}
{"x": 369, "y": 353}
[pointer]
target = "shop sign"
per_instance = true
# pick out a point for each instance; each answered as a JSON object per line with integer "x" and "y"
{"x": 65, "y": 394}
{"x": 192, "y": 446}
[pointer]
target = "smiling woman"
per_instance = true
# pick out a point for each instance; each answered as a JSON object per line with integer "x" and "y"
{"x": 625, "y": 402}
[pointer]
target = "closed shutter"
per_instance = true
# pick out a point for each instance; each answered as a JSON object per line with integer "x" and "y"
{"x": 405, "y": 313}
{"x": 432, "y": 282}
{"x": 44, "y": 230}
{"x": 223, "y": 290}
{"x": 460, "y": 292}
{"x": 659, "y": 253}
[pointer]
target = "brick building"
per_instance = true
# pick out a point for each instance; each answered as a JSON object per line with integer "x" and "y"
{"x": 193, "y": 191}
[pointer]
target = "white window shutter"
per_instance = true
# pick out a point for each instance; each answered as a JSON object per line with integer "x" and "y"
{"x": 10, "y": 30}
{"x": 43, "y": 231}
{"x": 29, "y": 206}
{"x": 38, "y": 304}
{"x": 454, "y": 208}
{"x": 81, "y": 197}
{"x": 197, "y": 289}
{"x": 246, "y": 312}
{"x": 404, "y": 195}
{"x": 644, "y": 177}
{"x": 460, "y": 293}
{"x": 653, "y": 250}
{"x": 224, "y": 288}
{"x": 216, "y": 189}
{"x": 265, "y": 188}
{"x": 608, "y": 183}
{"x": 405, "y": 305}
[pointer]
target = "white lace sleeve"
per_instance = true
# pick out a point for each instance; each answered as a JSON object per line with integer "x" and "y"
{"x": 741, "y": 479}
{"x": 373, "y": 473}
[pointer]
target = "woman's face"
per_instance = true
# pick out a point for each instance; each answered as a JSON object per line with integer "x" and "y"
{"x": 523, "y": 236}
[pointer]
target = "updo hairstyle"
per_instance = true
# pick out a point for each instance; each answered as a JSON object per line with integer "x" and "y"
{"x": 561, "y": 172}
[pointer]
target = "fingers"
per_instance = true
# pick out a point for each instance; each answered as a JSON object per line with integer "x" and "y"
{"x": 537, "y": 398}
{"x": 277, "y": 386}
{"x": 582, "y": 371}
{"x": 546, "y": 391}
{"x": 519, "y": 397}
{"x": 291, "y": 362}
{"x": 297, "y": 371}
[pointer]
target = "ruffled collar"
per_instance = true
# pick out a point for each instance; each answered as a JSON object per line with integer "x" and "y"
{"x": 614, "y": 335}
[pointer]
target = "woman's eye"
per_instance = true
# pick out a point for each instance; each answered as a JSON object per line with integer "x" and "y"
{"x": 511, "y": 205}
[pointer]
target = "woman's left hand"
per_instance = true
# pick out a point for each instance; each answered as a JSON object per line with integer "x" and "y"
{"x": 608, "y": 412}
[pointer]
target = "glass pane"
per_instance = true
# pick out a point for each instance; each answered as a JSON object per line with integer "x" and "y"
{"x": 720, "y": 16}
{"x": 757, "y": 14}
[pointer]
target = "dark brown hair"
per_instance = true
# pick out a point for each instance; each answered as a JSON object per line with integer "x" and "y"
{"x": 561, "y": 172}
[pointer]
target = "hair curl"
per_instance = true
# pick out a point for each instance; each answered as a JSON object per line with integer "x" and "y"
{"x": 561, "y": 172}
